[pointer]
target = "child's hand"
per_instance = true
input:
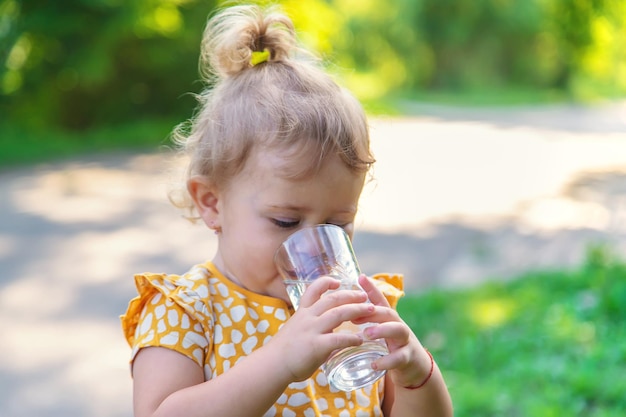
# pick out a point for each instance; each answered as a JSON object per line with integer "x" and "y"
{"x": 306, "y": 340}
{"x": 407, "y": 363}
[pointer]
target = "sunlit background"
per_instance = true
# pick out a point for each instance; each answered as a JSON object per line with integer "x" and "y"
{"x": 499, "y": 127}
{"x": 81, "y": 64}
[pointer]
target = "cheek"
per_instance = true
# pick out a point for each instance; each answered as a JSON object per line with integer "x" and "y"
{"x": 258, "y": 252}
{"x": 269, "y": 250}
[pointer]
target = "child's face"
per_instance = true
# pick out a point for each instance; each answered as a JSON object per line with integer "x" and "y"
{"x": 260, "y": 208}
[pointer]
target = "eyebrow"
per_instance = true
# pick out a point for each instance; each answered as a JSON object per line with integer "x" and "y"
{"x": 291, "y": 207}
{"x": 288, "y": 207}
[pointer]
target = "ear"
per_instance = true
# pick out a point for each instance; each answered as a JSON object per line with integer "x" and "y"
{"x": 205, "y": 197}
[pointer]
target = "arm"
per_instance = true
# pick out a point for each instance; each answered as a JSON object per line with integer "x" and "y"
{"x": 167, "y": 383}
{"x": 408, "y": 364}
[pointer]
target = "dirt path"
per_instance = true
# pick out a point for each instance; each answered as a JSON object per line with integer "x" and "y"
{"x": 459, "y": 196}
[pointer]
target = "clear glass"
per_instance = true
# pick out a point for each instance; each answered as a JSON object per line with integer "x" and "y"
{"x": 325, "y": 250}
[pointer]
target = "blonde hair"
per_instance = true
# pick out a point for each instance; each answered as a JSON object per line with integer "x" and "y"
{"x": 286, "y": 103}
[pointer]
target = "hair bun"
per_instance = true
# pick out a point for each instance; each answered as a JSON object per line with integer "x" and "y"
{"x": 233, "y": 34}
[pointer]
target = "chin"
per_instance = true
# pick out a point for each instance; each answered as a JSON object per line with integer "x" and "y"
{"x": 282, "y": 294}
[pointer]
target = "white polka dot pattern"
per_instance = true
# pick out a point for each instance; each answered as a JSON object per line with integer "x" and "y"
{"x": 215, "y": 323}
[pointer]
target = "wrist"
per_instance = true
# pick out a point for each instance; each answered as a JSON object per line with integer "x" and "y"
{"x": 428, "y": 376}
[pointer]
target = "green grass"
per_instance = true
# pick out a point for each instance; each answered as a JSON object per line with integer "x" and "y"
{"x": 22, "y": 145}
{"x": 509, "y": 96}
{"x": 398, "y": 104}
{"x": 547, "y": 344}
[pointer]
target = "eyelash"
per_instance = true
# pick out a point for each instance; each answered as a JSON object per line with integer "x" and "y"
{"x": 285, "y": 224}
{"x": 291, "y": 224}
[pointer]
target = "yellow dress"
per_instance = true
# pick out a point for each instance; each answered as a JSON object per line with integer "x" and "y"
{"x": 216, "y": 323}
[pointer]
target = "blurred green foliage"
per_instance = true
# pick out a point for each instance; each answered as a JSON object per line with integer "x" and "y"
{"x": 76, "y": 64}
{"x": 546, "y": 344}
{"x": 79, "y": 63}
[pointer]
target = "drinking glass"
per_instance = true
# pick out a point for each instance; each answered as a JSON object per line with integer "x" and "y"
{"x": 325, "y": 250}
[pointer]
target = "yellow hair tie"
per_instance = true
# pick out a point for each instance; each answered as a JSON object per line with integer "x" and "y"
{"x": 259, "y": 57}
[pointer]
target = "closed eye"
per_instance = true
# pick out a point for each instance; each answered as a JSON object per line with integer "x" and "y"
{"x": 285, "y": 224}
{"x": 343, "y": 225}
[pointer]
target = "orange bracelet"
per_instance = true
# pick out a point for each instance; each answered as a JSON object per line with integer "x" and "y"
{"x": 432, "y": 368}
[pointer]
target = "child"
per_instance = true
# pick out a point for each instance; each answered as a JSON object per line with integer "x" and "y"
{"x": 275, "y": 146}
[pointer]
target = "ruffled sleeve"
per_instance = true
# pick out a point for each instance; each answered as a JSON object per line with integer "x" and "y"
{"x": 391, "y": 285}
{"x": 172, "y": 312}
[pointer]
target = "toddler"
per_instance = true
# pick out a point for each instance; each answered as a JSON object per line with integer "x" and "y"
{"x": 275, "y": 146}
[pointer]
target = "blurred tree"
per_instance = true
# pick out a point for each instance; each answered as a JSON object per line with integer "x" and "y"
{"x": 596, "y": 62}
{"x": 79, "y": 63}
{"x": 479, "y": 42}
{"x": 575, "y": 29}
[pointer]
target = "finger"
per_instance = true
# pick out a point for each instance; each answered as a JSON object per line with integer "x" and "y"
{"x": 335, "y": 341}
{"x": 323, "y": 295}
{"x": 398, "y": 359}
{"x": 316, "y": 289}
{"x": 345, "y": 314}
{"x": 396, "y": 334}
{"x": 373, "y": 293}
{"x": 381, "y": 314}
{"x": 336, "y": 298}
{"x": 412, "y": 362}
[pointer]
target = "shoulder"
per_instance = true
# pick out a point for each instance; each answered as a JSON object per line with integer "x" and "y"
{"x": 189, "y": 292}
